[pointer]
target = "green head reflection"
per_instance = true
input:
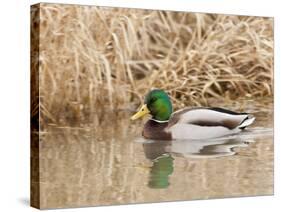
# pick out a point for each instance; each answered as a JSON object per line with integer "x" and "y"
{"x": 161, "y": 169}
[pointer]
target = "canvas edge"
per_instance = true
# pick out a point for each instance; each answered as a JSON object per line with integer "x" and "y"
{"x": 34, "y": 106}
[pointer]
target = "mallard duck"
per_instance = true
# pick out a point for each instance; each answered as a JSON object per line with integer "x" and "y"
{"x": 194, "y": 123}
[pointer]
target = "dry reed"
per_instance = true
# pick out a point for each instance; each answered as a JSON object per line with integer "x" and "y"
{"x": 94, "y": 59}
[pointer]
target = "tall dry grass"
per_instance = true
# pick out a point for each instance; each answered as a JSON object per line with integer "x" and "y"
{"x": 96, "y": 59}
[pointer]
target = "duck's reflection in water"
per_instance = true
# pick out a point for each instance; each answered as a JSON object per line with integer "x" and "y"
{"x": 163, "y": 164}
{"x": 207, "y": 148}
{"x": 161, "y": 154}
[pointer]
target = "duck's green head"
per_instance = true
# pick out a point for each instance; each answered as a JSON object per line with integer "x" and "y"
{"x": 157, "y": 103}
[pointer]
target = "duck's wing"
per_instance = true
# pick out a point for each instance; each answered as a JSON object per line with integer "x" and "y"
{"x": 212, "y": 116}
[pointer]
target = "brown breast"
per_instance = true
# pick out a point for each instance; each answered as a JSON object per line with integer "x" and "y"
{"x": 156, "y": 130}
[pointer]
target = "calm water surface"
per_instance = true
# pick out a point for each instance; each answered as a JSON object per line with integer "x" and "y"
{"x": 110, "y": 163}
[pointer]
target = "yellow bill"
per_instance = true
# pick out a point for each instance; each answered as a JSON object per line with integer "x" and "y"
{"x": 143, "y": 111}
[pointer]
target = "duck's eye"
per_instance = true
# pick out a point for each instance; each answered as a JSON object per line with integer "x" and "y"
{"x": 153, "y": 99}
